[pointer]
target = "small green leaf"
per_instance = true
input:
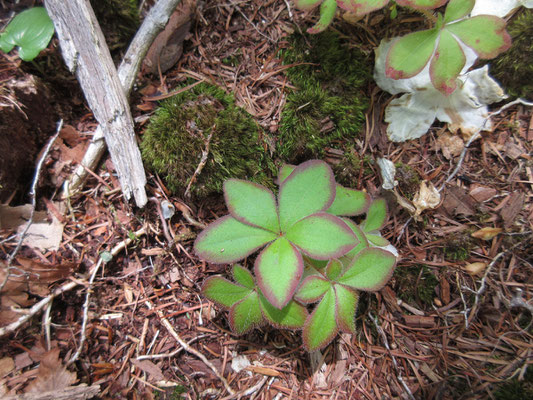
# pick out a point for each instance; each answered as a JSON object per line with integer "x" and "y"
{"x": 243, "y": 276}
{"x": 346, "y": 304}
{"x": 223, "y": 292}
{"x": 308, "y": 189}
{"x": 312, "y": 289}
{"x": 320, "y": 328}
{"x": 334, "y": 269}
{"x": 284, "y": 172}
{"x": 349, "y": 202}
{"x": 376, "y": 216}
{"x": 446, "y": 64}
{"x": 327, "y": 13}
{"x": 246, "y": 314}
{"x": 278, "y": 270}
{"x": 409, "y": 54}
{"x": 106, "y": 256}
{"x": 485, "y": 34}
{"x": 251, "y": 204}
{"x": 31, "y": 31}
{"x": 322, "y": 236}
{"x": 361, "y": 7}
{"x": 316, "y": 264}
{"x": 306, "y": 4}
{"x": 377, "y": 240}
{"x": 227, "y": 240}
{"x": 370, "y": 270}
{"x": 421, "y": 4}
{"x": 292, "y": 316}
{"x": 457, "y": 9}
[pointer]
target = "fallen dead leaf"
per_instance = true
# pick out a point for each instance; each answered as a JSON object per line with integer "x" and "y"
{"x": 475, "y": 268}
{"x": 450, "y": 145}
{"x": 428, "y": 197}
{"x": 52, "y": 375}
{"x": 513, "y": 207}
{"x": 487, "y": 233}
{"x": 482, "y": 193}
{"x": 457, "y": 202}
{"x": 150, "y": 368}
{"x": 6, "y": 366}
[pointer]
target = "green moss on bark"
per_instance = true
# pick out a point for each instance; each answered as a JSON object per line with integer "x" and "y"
{"x": 328, "y": 106}
{"x": 178, "y": 133}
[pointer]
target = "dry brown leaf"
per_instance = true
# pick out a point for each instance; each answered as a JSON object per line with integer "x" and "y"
{"x": 487, "y": 233}
{"x": 44, "y": 235}
{"x": 128, "y": 293}
{"x": 458, "y": 202}
{"x": 51, "y": 375}
{"x": 44, "y": 273}
{"x": 475, "y": 268}
{"x": 15, "y": 217}
{"x": 428, "y": 197}
{"x": 6, "y": 366}
{"x": 513, "y": 207}
{"x": 150, "y": 368}
{"x": 482, "y": 193}
{"x": 450, "y": 145}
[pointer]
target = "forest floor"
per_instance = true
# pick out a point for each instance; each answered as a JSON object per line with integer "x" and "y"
{"x": 454, "y": 322}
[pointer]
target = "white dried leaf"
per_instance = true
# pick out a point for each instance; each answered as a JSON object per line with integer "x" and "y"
{"x": 499, "y": 8}
{"x": 238, "y": 363}
{"x": 428, "y": 197}
{"x": 388, "y": 173}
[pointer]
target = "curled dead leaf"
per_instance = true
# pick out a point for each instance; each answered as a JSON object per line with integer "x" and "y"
{"x": 475, "y": 268}
{"x": 487, "y": 233}
{"x": 450, "y": 145}
{"x": 428, "y": 197}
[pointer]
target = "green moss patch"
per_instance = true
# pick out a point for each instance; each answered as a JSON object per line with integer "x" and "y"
{"x": 205, "y": 116}
{"x": 416, "y": 284}
{"x": 329, "y": 104}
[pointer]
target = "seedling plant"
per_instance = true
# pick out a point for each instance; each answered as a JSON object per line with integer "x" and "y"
{"x": 442, "y": 46}
{"x": 310, "y": 251}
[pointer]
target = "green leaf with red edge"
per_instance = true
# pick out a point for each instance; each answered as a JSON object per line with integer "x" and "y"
{"x": 369, "y": 270}
{"x": 457, "y": 9}
{"x": 422, "y": 4}
{"x": 228, "y": 240}
{"x": 346, "y": 304}
{"x": 278, "y": 270}
{"x": 362, "y": 7}
{"x": 409, "y": 54}
{"x": 320, "y": 328}
{"x": 485, "y": 34}
{"x": 223, "y": 292}
{"x": 292, "y": 316}
{"x": 349, "y": 202}
{"x": 322, "y": 236}
{"x": 243, "y": 276}
{"x": 284, "y": 172}
{"x": 308, "y": 189}
{"x": 377, "y": 240}
{"x": 246, "y": 314}
{"x": 446, "y": 64}
{"x": 327, "y": 13}
{"x": 251, "y": 204}
{"x": 363, "y": 241}
{"x": 334, "y": 269}
{"x": 312, "y": 289}
{"x": 316, "y": 264}
{"x": 376, "y": 216}
{"x": 306, "y": 4}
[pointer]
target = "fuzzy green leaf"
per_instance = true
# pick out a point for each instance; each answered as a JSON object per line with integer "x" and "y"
{"x": 306, "y": 4}
{"x": 228, "y": 240}
{"x": 31, "y": 31}
{"x": 485, "y": 34}
{"x": 312, "y": 289}
{"x": 322, "y": 236}
{"x": 284, "y": 172}
{"x": 370, "y": 270}
{"x": 377, "y": 240}
{"x": 308, "y": 189}
{"x": 362, "y": 7}
{"x": 223, "y": 292}
{"x": 361, "y": 237}
{"x": 446, "y": 64}
{"x": 243, "y": 276}
{"x": 292, "y": 316}
{"x": 278, "y": 270}
{"x": 421, "y": 4}
{"x": 246, "y": 314}
{"x": 409, "y": 54}
{"x": 334, "y": 269}
{"x": 346, "y": 303}
{"x": 251, "y": 204}
{"x": 327, "y": 13}
{"x": 320, "y": 328}
{"x": 376, "y": 216}
{"x": 349, "y": 202}
{"x": 457, "y": 9}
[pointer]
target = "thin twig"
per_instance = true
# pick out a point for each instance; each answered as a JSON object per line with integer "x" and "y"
{"x": 395, "y": 363}
{"x": 254, "y": 25}
{"x": 168, "y": 355}
{"x": 33, "y": 196}
{"x": 188, "y": 348}
{"x": 201, "y": 165}
{"x": 250, "y": 391}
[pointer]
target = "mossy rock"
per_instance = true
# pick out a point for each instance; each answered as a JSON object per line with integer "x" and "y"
{"x": 328, "y": 106}
{"x": 514, "y": 68}
{"x": 178, "y": 133}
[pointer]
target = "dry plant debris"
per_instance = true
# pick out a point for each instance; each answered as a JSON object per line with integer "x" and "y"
{"x": 454, "y": 323}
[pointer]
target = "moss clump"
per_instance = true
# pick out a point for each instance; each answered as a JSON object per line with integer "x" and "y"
{"x": 352, "y": 166}
{"x": 458, "y": 247}
{"x": 408, "y": 180}
{"x": 515, "y": 389}
{"x": 514, "y": 68}
{"x": 177, "y": 135}
{"x": 416, "y": 283}
{"x": 328, "y": 105}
